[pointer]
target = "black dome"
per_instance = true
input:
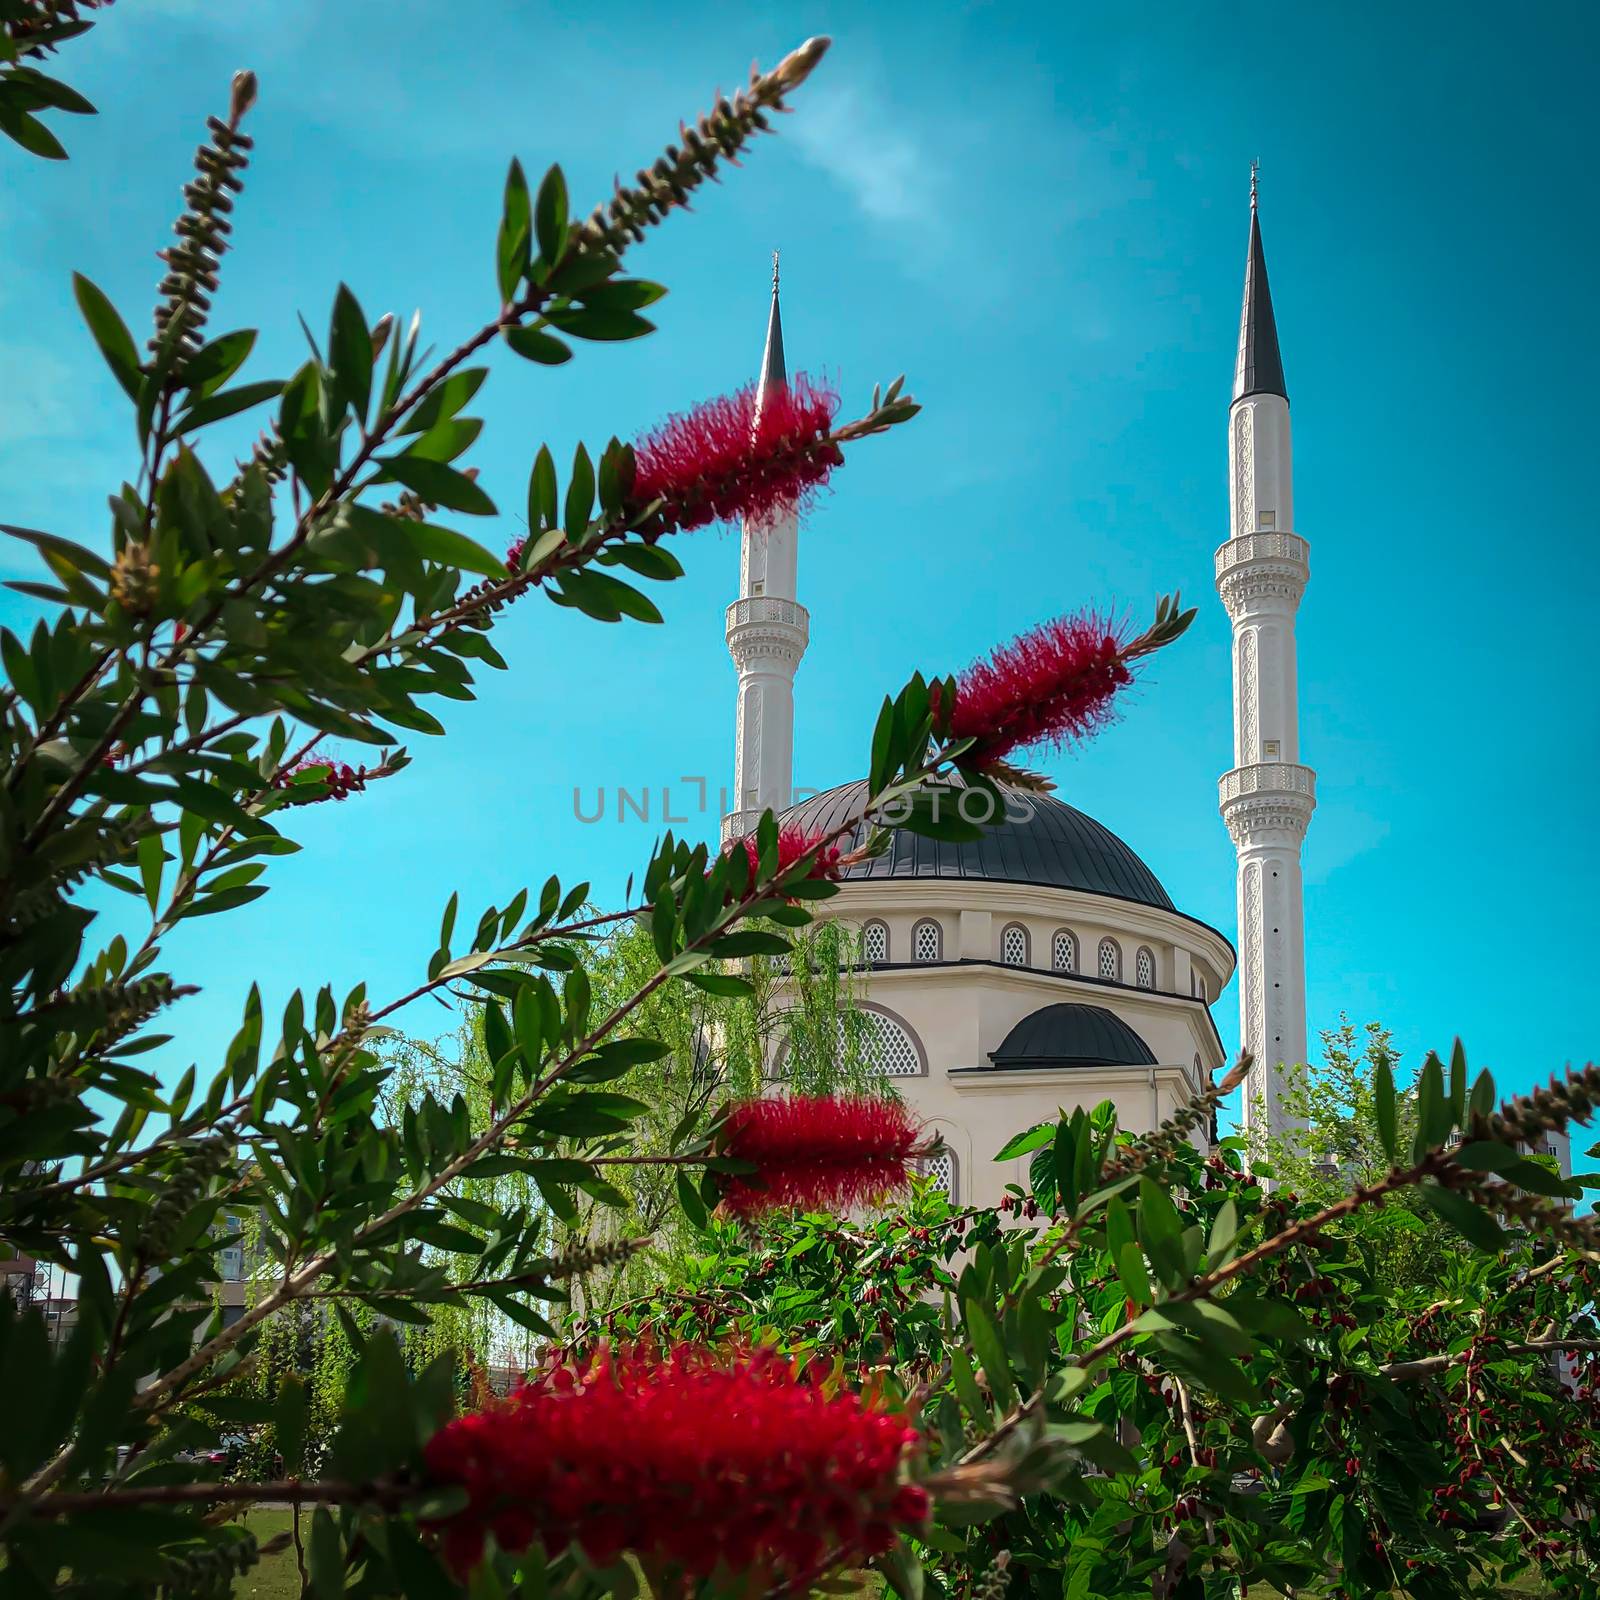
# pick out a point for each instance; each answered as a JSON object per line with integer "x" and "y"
{"x": 1072, "y": 1036}
{"x": 1052, "y": 844}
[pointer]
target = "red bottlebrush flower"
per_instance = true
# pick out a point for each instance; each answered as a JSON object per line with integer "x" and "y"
{"x": 823, "y": 1152}
{"x": 792, "y": 844}
{"x": 338, "y": 779}
{"x": 741, "y": 455}
{"x": 514, "y": 554}
{"x": 1052, "y": 685}
{"x": 687, "y": 1459}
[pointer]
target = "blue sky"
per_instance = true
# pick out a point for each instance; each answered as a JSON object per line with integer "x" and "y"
{"x": 1039, "y": 215}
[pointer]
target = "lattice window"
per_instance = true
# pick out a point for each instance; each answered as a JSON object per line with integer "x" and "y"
{"x": 942, "y": 1169}
{"x": 875, "y": 943}
{"x": 1064, "y": 951}
{"x": 1146, "y": 967}
{"x": 888, "y": 1049}
{"x": 1110, "y": 959}
{"x": 1014, "y": 945}
{"x": 925, "y": 941}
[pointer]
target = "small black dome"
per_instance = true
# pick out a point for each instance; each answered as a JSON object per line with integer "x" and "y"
{"x": 1072, "y": 1036}
{"x": 1044, "y": 841}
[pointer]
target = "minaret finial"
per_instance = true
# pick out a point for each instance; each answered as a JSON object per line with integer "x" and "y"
{"x": 1255, "y": 169}
{"x": 774, "y": 272}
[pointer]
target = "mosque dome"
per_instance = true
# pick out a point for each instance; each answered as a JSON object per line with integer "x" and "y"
{"x": 1042, "y": 841}
{"x": 1072, "y": 1036}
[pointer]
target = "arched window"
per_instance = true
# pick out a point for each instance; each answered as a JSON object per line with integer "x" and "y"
{"x": 1110, "y": 960}
{"x": 1014, "y": 945}
{"x": 888, "y": 1049}
{"x": 926, "y": 942}
{"x": 875, "y": 943}
{"x": 1064, "y": 951}
{"x": 941, "y": 1167}
{"x": 1145, "y": 967}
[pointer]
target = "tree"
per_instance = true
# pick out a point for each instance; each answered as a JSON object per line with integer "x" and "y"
{"x": 159, "y": 733}
{"x": 1339, "y": 1144}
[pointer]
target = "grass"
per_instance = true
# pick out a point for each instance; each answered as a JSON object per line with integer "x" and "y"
{"x": 276, "y": 1577}
{"x": 273, "y": 1577}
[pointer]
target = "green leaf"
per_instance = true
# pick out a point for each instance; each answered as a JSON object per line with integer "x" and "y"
{"x": 1384, "y": 1108}
{"x": 1434, "y": 1120}
{"x": 445, "y": 399}
{"x": 1484, "y": 1155}
{"x": 1132, "y": 1272}
{"x": 350, "y": 351}
{"x": 721, "y": 983}
{"x": 550, "y": 216}
{"x": 325, "y": 1556}
{"x": 580, "y": 495}
{"x": 542, "y": 492}
{"x": 692, "y": 1205}
{"x": 606, "y": 599}
{"x": 289, "y": 1423}
{"x": 52, "y": 543}
{"x": 1034, "y": 1138}
{"x": 30, "y": 133}
{"x": 110, "y": 333}
{"x": 1477, "y": 1227}
{"x": 967, "y": 1389}
{"x": 534, "y": 344}
{"x": 514, "y": 247}
{"x": 440, "y": 485}
{"x": 151, "y": 860}
{"x": 603, "y": 326}
{"x": 990, "y": 1350}
{"x": 226, "y": 404}
{"x": 434, "y": 543}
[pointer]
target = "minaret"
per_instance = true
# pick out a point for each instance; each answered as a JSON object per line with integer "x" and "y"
{"x": 767, "y": 632}
{"x": 1268, "y": 797}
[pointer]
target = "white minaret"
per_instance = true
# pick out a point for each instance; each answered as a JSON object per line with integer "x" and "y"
{"x": 1268, "y": 797}
{"x": 767, "y": 633}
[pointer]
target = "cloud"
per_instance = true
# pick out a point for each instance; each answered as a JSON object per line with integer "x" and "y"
{"x": 849, "y": 132}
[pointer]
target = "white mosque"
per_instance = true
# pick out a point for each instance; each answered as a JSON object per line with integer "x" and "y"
{"x": 1044, "y": 966}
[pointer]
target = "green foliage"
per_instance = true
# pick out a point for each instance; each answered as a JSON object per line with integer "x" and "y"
{"x": 1114, "y": 1401}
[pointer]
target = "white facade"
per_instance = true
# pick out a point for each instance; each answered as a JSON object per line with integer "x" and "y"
{"x": 947, "y": 1004}
{"x": 767, "y": 632}
{"x": 1268, "y": 796}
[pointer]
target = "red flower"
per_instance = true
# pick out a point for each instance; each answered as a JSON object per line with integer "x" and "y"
{"x": 826, "y": 1152}
{"x": 337, "y": 778}
{"x": 732, "y": 457}
{"x": 514, "y": 554}
{"x": 687, "y": 1459}
{"x": 792, "y": 844}
{"x": 1054, "y": 684}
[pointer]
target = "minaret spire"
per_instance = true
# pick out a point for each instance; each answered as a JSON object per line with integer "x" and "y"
{"x": 767, "y": 632}
{"x": 1259, "y": 367}
{"x": 1268, "y": 796}
{"x": 773, "y": 374}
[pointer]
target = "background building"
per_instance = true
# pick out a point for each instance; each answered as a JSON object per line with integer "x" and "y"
{"x": 1045, "y": 967}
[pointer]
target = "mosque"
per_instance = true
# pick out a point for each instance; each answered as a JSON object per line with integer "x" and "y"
{"x": 1045, "y": 966}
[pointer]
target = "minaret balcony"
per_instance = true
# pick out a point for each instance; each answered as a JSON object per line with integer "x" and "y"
{"x": 1262, "y": 571}
{"x": 765, "y": 632}
{"x": 1263, "y": 548}
{"x": 760, "y": 609}
{"x": 1267, "y": 799}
